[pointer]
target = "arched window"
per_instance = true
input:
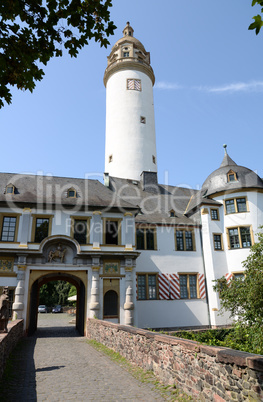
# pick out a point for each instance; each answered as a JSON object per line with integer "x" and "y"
{"x": 72, "y": 193}
{"x": 10, "y": 189}
{"x": 111, "y": 304}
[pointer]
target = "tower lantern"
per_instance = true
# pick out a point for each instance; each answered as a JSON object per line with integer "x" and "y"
{"x": 130, "y": 127}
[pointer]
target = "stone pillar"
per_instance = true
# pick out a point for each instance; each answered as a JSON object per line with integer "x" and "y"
{"x": 18, "y": 305}
{"x": 128, "y": 305}
{"x": 97, "y": 230}
{"x": 129, "y": 231}
{"x": 95, "y": 292}
{"x": 25, "y": 222}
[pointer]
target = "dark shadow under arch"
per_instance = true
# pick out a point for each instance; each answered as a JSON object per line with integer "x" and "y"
{"x": 34, "y": 295}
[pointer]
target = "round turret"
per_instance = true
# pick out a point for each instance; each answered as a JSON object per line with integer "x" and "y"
{"x": 130, "y": 127}
{"x": 230, "y": 177}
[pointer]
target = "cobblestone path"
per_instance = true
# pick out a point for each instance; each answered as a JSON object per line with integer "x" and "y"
{"x": 58, "y": 365}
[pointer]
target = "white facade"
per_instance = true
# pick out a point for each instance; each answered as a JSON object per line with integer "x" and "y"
{"x": 130, "y": 126}
{"x": 148, "y": 253}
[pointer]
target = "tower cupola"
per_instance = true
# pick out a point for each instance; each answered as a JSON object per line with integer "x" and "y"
{"x": 128, "y": 52}
{"x": 128, "y": 30}
{"x": 130, "y": 128}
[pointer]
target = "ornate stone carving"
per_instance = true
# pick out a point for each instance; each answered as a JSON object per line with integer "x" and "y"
{"x": 6, "y": 264}
{"x": 57, "y": 253}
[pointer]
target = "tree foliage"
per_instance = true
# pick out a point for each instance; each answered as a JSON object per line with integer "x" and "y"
{"x": 34, "y": 31}
{"x": 55, "y": 292}
{"x": 243, "y": 298}
{"x": 257, "y": 24}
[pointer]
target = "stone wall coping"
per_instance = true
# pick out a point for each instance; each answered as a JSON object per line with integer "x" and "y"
{"x": 235, "y": 357}
{"x": 222, "y": 354}
{"x": 255, "y": 362}
{"x": 10, "y": 326}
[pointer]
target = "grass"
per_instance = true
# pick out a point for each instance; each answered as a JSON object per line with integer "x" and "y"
{"x": 168, "y": 392}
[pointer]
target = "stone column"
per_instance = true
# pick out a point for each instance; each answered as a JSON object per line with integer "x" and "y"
{"x": 129, "y": 231}
{"x": 18, "y": 305}
{"x": 25, "y": 221}
{"x": 97, "y": 230}
{"x": 95, "y": 292}
{"x": 128, "y": 305}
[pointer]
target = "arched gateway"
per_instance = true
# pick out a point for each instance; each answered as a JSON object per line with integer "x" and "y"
{"x": 58, "y": 262}
{"x": 75, "y": 278}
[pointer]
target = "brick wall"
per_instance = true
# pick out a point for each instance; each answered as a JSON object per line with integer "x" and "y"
{"x": 8, "y": 341}
{"x": 206, "y": 372}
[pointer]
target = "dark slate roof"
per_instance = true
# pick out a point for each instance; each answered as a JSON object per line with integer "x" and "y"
{"x": 199, "y": 199}
{"x": 217, "y": 181}
{"x": 227, "y": 161}
{"x": 51, "y": 190}
{"x": 155, "y": 202}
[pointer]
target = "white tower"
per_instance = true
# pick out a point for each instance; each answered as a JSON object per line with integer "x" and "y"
{"x": 130, "y": 128}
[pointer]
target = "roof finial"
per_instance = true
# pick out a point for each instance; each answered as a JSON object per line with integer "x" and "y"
{"x": 128, "y": 30}
{"x": 225, "y": 146}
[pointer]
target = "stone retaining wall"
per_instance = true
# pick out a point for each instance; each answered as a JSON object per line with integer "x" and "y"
{"x": 8, "y": 341}
{"x": 206, "y": 372}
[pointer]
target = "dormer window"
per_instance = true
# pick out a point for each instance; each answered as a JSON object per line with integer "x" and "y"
{"x": 126, "y": 54}
{"x": 231, "y": 176}
{"x": 72, "y": 193}
{"x": 10, "y": 189}
{"x": 172, "y": 213}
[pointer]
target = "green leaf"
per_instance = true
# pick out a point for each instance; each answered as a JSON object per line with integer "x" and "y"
{"x": 257, "y": 24}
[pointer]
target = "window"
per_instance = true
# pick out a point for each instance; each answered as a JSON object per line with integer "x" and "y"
{"x": 154, "y": 160}
{"x": 239, "y": 275}
{"x": 236, "y": 205}
{"x": 147, "y": 286}
{"x": 214, "y": 214}
{"x": 80, "y": 230}
{"x": 185, "y": 240}
{"x": 143, "y": 120}
{"x": 10, "y": 189}
{"x": 135, "y": 85}
{"x": 231, "y": 176}
{"x": 8, "y": 228}
{"x": 112, "y": 231}
{"x": 146, "y": 239}
{"x": 41, "y": 228}
{"x": 72, "y": 193}
{"x": 126, "y": 54}
{"x": 239, "y": 237}
{"x": 110, "y": 158}
{"x": 218, "y": 244}
{"x": 241, "y": 205}
{"x": 188, "y": 286}
{"x": 172, "y": 213}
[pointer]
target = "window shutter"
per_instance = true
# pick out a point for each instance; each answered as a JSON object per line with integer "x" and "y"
{"x": 175, "y": 286}
{"x": 164, "y": 286}
{"x": 201, "y": 280}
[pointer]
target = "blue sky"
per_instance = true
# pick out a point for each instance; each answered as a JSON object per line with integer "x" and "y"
{"x": 208, "y": 91}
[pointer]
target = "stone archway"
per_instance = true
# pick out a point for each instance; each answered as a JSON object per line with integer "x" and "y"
{"x": 39, "y": 278}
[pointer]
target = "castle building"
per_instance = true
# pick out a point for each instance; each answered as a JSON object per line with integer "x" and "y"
{"x": 139, "y": 252}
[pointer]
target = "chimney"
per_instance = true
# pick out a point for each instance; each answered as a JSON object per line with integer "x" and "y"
{"x": 149, "y": 182}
